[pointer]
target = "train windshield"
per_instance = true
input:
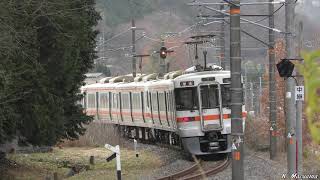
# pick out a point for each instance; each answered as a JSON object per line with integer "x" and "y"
{"x": 209, "y": 96}
{"x": 187, "y": 98}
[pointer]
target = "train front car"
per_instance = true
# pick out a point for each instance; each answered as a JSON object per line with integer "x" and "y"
{"x": 203, "y": 111}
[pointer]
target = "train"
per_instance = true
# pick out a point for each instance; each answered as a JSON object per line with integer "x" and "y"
{"x": 191, "y": 108}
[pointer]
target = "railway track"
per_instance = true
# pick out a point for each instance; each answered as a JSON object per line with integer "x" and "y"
{"x": 195, "y": 171}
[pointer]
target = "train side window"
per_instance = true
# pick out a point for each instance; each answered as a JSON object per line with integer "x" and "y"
{"x": 162, "y": 102}
{"x": 91, "y": 100}
{"x": 104, "y": 100}
{"x": 125, "y": 101}
{"x": 114, "y": 100}
{"x": 136, "y": 100}
{"x": 154, "y": 102}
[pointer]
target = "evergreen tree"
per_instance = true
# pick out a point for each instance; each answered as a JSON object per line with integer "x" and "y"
{"x": 51, "y": 46}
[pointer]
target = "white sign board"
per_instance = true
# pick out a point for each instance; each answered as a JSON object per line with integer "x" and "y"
{"x": 299, "y": 93}
{"x": 113, "y": 149}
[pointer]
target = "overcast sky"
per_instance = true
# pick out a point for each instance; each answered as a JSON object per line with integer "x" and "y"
{"x": 309, "y": 8}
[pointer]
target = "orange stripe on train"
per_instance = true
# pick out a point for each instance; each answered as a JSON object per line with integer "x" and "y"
{"x": 207, "y": 118}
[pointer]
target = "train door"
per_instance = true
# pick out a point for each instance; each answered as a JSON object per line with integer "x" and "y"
{"x": 158, "y": 104}
{"x": 154, "y": 108}
{"x": 165, "y": 94}
{"x": 142, "y": 107}
{"x": 110, "y": 105}
{"x": 172, "y": 109}
{"x": 115, "y": 111}
{"x": 147, "y": 109}
{"x": 104, "y": 106}
{"x": 120, "y": 117}
{"x": 91, "y": 104}
{"x": 97, "y": 106}
{"x": 210, "y": 106}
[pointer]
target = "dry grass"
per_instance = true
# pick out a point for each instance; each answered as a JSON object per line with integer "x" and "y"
{"x": 41, "y": 165}
{"x": 311, "y": 155}
{"x": 97, "y": 134}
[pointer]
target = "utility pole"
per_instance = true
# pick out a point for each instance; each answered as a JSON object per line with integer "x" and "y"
{"x": 103, "y": 38}
{"x": 299, "y": 108}
{"x": 260, "y": 94}
{"x": 205, "y": 59}
{"x": 222, "y": 43}
{"x": 290, "y": 83}
{"x": 236, "y": 92}
{"x": 133, "y": 29}
{"x": 272, "y": 87}
{"x": 251, "y": 99}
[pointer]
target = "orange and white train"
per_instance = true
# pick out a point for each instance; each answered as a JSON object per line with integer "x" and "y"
{"x": 190, "y": 107}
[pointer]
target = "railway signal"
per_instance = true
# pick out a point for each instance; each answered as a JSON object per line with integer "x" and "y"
{"x": 285, "y": 68}
{"x": 163, "y": 52}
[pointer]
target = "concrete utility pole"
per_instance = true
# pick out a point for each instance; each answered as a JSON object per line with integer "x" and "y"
{"x": 272, "y": 87}
{"x": 133, "y": 29}
{"x": 103, "y": 38}
{"x": 236, "y": 92}
{"x": 299, "y": 108}
{"x": 222, "y": 43}
{"x": 260, "y": 94}
{"x": 290, "y": 87}
{"x": 251, "y": 99}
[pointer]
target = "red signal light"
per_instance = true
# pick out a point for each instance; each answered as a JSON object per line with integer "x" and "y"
{"x": 163, "y": 52}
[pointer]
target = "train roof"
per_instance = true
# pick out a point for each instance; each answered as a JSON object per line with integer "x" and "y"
{"x": 203, "y": 74}
{"x": 151, "y": 81}
{"x": 153, "y": 84}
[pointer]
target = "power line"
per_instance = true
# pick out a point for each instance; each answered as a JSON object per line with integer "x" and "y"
{"x": 115, "y": 36}
{"x": 270, "y": 14}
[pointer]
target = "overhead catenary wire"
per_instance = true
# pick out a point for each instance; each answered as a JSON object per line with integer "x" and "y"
{"x": 246, "y": 20}
{"x": 269, "y": 15}
{"x": 115, "y": 36}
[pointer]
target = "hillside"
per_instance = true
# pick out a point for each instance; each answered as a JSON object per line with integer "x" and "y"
{"x": 157, "y": 17}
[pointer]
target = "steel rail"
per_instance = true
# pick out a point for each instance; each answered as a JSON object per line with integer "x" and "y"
{"x": 182, "y": 173}
{"x": 209, "y": 172}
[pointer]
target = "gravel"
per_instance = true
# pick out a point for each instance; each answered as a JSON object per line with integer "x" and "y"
{"x": 257, "y": 165}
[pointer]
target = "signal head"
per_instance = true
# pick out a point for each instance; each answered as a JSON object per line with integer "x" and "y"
{"x": 163, "y": 52}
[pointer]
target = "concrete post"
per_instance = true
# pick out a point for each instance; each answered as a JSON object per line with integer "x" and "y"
{"x": 290, "y": 83}
{"x": 236, "y": 92}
